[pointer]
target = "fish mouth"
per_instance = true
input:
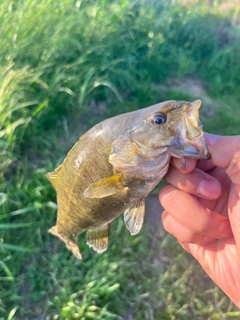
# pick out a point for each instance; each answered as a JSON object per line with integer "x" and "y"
{"x": 196, "y": 149}
{"x": 192, "y": 122}
{"x": 190, "y": 135}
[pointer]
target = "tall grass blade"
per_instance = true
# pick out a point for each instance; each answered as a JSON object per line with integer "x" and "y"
{"x": 12, "y": 247}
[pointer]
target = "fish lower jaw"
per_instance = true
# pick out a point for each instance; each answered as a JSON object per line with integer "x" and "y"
{"x": 190, "y": 152}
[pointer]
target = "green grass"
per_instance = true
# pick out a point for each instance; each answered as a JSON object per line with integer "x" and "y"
{"x": 64, "y": 66}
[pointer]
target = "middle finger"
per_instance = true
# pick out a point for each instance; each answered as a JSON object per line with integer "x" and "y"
{"x": 190, "y": 212}
{"x": 196, "y": 182}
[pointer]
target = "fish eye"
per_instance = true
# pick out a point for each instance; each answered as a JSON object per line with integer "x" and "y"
{"x": 158, "y": 118}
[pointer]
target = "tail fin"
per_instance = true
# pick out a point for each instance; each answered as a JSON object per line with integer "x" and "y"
{"x": 70, "y": 244}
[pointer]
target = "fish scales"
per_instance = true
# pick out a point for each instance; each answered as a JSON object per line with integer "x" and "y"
{"x": 116, "y": 164}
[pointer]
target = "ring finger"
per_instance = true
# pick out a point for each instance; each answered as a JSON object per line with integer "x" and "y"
{"x": 182, "y": 233}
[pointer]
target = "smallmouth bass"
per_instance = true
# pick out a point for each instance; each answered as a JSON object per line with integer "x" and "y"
{"x": 116, "y": 164}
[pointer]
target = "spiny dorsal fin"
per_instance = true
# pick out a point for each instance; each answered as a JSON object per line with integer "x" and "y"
{"x": 53, "y": 177}
{"x": 98, "y": 238}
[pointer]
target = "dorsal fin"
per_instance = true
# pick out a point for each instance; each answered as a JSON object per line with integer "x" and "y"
{"x": 53, "y": 177}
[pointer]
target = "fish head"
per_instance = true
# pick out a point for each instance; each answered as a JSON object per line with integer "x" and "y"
{"x": 172, "y": 126}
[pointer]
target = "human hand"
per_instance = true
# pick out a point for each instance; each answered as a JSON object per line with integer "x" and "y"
{"x": 202, "y": 210}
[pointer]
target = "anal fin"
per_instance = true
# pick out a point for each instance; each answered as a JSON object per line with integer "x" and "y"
{"x": 105, "y": 187}
{"x": 134, "y": 216}
{"x": 98, "y": 238}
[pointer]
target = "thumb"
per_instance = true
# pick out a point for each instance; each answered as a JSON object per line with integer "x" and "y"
{"x": 225, "y": 153}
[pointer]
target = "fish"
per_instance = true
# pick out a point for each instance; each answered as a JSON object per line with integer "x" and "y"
{"x": 116, "y": 164}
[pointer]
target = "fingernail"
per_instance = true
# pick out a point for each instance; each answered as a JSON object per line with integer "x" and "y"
{"x": 208, "y": 189}
{"x": 210, "y": 138}
{"x": 183, "y": 163}
{"x": 224, "y": 230}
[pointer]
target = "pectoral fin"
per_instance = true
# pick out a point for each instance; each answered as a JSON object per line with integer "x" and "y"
{"x": 134, "y": 216}
{"x": 98, "y": 238}
{"x": 105, "y": 187}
